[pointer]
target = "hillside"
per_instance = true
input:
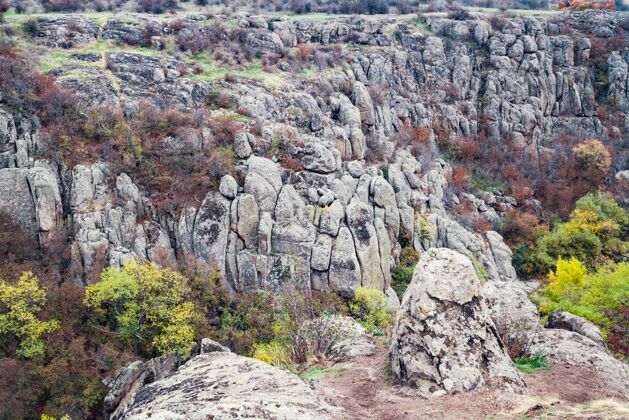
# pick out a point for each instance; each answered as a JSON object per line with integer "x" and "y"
{"x": 319, "y": 155}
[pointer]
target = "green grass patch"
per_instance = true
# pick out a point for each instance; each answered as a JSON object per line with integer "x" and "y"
{"x": 531, "y": 364}
{"x": 527, "y": 12}
{"x": 309, "y": 71}
{"x": 313, "y": 16}
{"x": 317, "y": 372}
{"x": 484, "y": 184}
{"x": 231, "y": 24}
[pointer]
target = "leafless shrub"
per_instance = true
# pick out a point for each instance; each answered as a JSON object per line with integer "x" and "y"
{"x": 517, "y": 337}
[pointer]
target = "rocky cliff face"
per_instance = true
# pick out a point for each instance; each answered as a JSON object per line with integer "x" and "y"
{"x": 338, "y": 223}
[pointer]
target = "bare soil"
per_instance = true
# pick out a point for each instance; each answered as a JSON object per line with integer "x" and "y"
{"x": 364, "y": 389}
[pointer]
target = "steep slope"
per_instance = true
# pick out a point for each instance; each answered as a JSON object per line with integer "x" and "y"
{"x": 304, "y": 206}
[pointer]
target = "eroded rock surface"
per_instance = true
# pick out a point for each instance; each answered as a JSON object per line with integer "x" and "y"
{"x": 444, "y": 340}
{"x": 225, "y": 385}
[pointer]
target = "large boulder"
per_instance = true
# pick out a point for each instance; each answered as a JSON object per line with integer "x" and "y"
{"x": 345, "y": 275}
{"x": 502, "y": 256}
{"x": 444, "y": 340}
{"x": 211, "y": 226}
{"x": 16, "y": 200}
{"x": 567, "y": 321}
{"x": 510, "y": 307}
{"x": 360, "y": 222}
{"x": 224, "y": 385}
{"x": 353, "y": 340}
{"x": 570, "y": 348}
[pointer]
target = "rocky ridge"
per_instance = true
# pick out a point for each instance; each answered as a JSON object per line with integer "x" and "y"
{"x": 337, "y": 224}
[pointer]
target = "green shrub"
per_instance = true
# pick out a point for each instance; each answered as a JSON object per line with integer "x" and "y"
{"x": 423, "y": 228}
{"x": 274, "y": 353}
{"x": 593, "y": 234}
{"x": 145, "y": 306}
{"x": 527, "y": 262}
{"x": 531, "y": 364}
{"x": 30, "y": 27}
{"x": 248, "y": 320}
{"x": 595, "y": 296}
{"x": 283, "y": 329}
{"x": 371, "y": 309}
{"x": 402, "y": 275}
{"x": 20, "y": 308}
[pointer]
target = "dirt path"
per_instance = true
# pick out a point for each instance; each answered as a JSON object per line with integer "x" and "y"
{"x": 362, "y": 387}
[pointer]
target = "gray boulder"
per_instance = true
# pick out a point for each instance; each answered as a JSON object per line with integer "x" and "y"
{"x": 352, "y": 339}
{"x": 360, "y": 222}
{"x": 242, "y": 144}
{"x": 502, "y": 256}
{"x": 261, "y": 42}
{"x": 228, "y": 187}
{"x": 570, "y": 348}
{"x": 510, "y": 306}
{"x": 345, "y": 275}
{"x": 211, "y": 226}
{"x": 567, "y": 321}
{"x": 363, "y": 102}
{"x": 225, "y": 385}
{"x": 16, "y": 200}
{"x": 444, "y": 340}
{"x": 321, "y": 158}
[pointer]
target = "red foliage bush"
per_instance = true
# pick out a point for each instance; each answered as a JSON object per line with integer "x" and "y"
{"x": 586, "y": 4}
{"x": 15, "y": 242}
{"x": 303, "y": 53}
{"x": 460, "y": 178}
{"x": 521, "y": 228}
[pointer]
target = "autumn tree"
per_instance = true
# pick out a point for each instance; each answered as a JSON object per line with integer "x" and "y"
{"x": 594, "y": 235}
{"x": 601, "y": 296}
{"x": 594, "y": 157}
{"x": 20, "y": 306}
{"x": 145, "y": 306}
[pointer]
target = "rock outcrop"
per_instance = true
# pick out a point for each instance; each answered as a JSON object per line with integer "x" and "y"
{"x": 328, "y": 220}
{"x": 571, "y": 348}
{"x": 567, "y": 321}
{"x": 444, "y": 340}
{"x": 214, "y": 384}
{"x": 567, "y": 339}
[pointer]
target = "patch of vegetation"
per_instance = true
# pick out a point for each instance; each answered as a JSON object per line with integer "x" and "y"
{"x": 482, "y": 183}
{"x": 481, "y": 273}
{"x": 423, "y": 229}
{"x": 274, "y": 353}
{"x": 145, "y": 306}
{"x": 531, "y": 364}
{"x": 285, "y": 330}
{"x": 601, "y": 296}
{"x": 318, "y": 372}
{"x": 20, "y": 308}
{"x": 402, "y": 275}
{"x": 593, "y": 235}
{"x": 371, "y": 309}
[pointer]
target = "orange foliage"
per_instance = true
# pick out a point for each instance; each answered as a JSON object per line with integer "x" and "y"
{"x": 522, "y": 228}
{"x": 460, "y": 178}
{"x": 594, "y": 156}
{"x": 586, "y": 4}
{"x": 303, "y": 53}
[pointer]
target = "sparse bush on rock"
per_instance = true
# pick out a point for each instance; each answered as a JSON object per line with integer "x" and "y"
{"x": 371, "y": 309}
